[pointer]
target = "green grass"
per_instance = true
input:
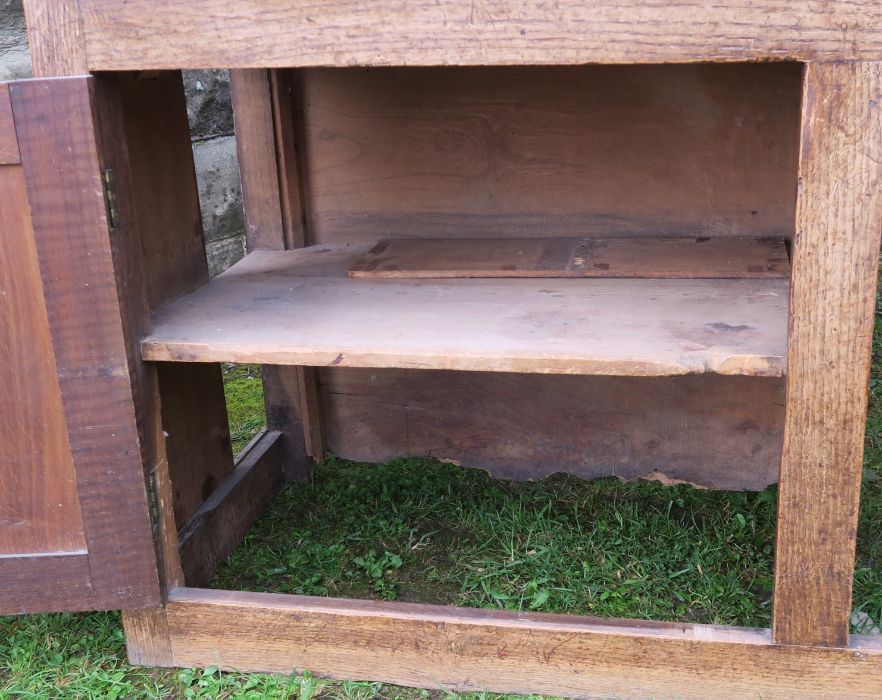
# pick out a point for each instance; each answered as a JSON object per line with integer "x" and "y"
{"x": 420, "y": 530}
{"x": 245, "y": 411}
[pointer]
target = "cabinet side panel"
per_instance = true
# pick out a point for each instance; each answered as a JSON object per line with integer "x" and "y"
{"x": 170, "y": 261}
{"x": 267, "y": 131}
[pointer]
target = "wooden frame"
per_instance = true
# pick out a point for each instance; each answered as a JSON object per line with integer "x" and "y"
{"x": 467, "y": 649}
{"x": 277, "y": 33}
{"x": 808, "y": 651}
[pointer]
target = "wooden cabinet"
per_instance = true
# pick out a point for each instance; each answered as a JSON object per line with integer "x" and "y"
{"x": 673, "y": 210}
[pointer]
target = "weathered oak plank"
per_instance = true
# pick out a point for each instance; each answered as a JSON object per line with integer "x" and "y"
{"x": 39, "y": 505}
{"x": 256, "y": 150}
{"x": 835, "y": 266}
{"x": 585, "y": 326}
{"x": 510, "y": 652}
{"x": 280, "y": 33}
{"x": 588, "y": 426}
{"x": 50, "y": 581}
{"x": 550, "y": 151}
{"x": 265, "y": 112}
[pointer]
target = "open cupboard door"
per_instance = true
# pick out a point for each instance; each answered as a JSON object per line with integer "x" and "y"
{"x": 75, "y": 526}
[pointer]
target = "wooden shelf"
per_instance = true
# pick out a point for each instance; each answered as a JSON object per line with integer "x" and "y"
{"x": 300, "y": 308}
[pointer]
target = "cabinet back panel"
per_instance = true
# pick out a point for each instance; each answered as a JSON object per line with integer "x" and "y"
{"x": 554, "y": 151}
{"x": 712, "y": 430}
{"x": 546, "y": 151}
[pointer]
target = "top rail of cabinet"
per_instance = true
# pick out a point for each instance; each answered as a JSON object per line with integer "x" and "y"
{"x": 165, "y": 34}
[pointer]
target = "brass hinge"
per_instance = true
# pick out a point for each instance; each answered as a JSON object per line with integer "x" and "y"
{"x": 110, "y": 199}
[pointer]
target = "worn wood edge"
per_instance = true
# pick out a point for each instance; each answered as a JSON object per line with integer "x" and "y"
{"x": 271, "y": 173}
{"x": 147, "y": 638}
{"x": 503, "y": 651}
{"x": 284, "y": 96}
{"x": 9, "y": 153}
{"x": 197, "y": 329}
{"x": 225, "y": 517}
{"x": 255, "y": 150}
{"x": 146, "y": 629}
{"x": 155, "y": 350}
{"x": 311, "y": 413}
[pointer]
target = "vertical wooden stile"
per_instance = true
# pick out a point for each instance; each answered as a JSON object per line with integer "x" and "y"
{"x": 835, "y": 265}
{"x": 62, "y": 160}
{"x": 56, "y": 38}
{"x": 159, "y": 254}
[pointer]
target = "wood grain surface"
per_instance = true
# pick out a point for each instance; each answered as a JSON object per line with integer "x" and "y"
{"x": 256, "y": 150}
{"x": 639, "y": 257}
{"x": 268, "y": 123}
{"x": 509, "y": 652}
{"x": 56, "y": 40}
{"x": 39, "y": 507}
{"x": 562, "y": 151}
{"x": 217, "y": 528}
{"x": 529, "y": 426}
{"x": 540, "y": 152}
{"x": 197, "y": 434}
{"x": 56, "y": 127}
{"x": 36, "y": 583}
{"x": 158, "y": 254}
{"x": 835, "y": 266}
{"x": 298, "y": 307}
{"x": 9, "y": 154}
{"x": 280, "y": 33}
{"x": 163, "y": 182}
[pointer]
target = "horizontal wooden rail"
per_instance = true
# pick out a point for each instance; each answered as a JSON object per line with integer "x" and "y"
{"x": 143, "y": 34}
{"x": 470, "y": 649}
{"x": 51, "y": 581}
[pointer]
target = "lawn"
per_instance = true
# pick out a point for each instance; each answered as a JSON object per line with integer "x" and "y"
{"x": 420, "y": 530}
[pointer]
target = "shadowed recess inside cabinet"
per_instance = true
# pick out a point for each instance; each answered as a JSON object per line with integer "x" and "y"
{"x": 628, "y": 224}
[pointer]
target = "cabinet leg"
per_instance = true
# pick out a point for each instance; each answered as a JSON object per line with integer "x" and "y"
{"x": 835, "y": 266}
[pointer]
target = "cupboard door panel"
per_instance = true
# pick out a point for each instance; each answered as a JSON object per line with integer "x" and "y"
{"x": 39, "y": 510}
{"x": 75, "y": 531}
